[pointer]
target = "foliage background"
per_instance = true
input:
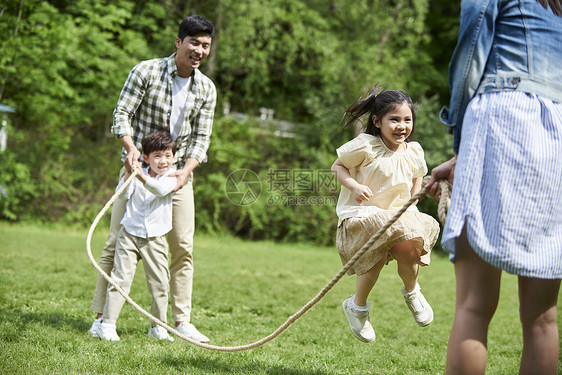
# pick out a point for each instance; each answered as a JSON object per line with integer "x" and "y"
{"x": 63, "y": 63}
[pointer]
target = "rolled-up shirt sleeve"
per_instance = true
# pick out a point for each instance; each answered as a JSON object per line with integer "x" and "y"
{"x": 129, "y": 100}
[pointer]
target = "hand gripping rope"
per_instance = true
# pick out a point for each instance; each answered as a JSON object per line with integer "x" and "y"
{"x": 441, "y": 211}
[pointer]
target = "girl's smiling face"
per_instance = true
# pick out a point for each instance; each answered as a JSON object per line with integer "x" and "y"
{"x": 396, "y": 126}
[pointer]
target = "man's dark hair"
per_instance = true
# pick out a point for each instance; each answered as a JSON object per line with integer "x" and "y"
{"x": 160, "y": 140}
{"x": 195, "y": 24}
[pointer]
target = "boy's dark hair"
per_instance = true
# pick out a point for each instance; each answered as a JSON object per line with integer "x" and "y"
{"x": 379, "y": 104}
{"x": 195, "y": 24}
{"x": 160, "y": 140}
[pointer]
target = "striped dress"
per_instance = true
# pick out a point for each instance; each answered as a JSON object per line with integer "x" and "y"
{"x": 508, "y": 184}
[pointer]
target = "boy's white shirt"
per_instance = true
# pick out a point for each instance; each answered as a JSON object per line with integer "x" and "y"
{"x": 149, "y": 206}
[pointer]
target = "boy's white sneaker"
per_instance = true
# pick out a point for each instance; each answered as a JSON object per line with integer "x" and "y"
{"x": 106, "y": 331}
{"x": 189, "y": 330}
{"x": 358, "y": 319}
{"x": 159, "y": 333}
{"x": 422, "y": 312}
{"x": 93, "y": 329}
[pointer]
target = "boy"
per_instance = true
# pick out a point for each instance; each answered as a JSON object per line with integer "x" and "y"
{"x": 148, "y": 217}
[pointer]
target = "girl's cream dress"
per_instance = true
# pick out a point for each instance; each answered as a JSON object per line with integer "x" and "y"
{"x": 390, "y": 176}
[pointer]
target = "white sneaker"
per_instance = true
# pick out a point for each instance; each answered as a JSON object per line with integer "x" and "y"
{"x": 106, "y": 331}
{"x": 93, "y": 329}
{"x": 159, "y": 333}
{"x": 359, "y": 320}
{"x": 189, "y": 330}
{"x": 422, "y": 312}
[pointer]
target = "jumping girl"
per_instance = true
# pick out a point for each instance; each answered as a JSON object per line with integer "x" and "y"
{"x": 379, "y": 172}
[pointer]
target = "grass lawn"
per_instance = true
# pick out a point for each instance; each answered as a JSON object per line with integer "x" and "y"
{"x": 243, "y": 291}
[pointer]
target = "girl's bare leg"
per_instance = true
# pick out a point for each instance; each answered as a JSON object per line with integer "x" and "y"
{"x": 407, "y": 258}
{"x": 537, "y": 310}
{"x": 478, "y": 287}
{"x": 365, "y": 282}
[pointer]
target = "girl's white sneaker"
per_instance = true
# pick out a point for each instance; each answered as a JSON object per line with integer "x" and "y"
{"x": 359, "y": 320}
{"x": 422, "y": 312}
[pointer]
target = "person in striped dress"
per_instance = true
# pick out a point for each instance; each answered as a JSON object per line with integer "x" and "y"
{"x": 506, "y": 206}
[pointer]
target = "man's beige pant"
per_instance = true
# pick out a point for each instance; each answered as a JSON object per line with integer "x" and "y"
{"x": 128, "y": 251}
{"x": 180, "y": 240}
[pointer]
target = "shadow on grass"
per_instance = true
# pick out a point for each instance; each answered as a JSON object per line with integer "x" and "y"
{"x": 227, "y": 367}
{"x": 54, "y": 319}
{"x": 14, "y": 322}
{"x": 19, "y": 321}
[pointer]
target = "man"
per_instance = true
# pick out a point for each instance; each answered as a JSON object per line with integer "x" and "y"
{"x": 168, "y": 93}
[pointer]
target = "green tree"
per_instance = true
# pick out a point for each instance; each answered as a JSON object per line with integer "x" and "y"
{"x": 63, "y": 70}
{"x": 63, "y": 63}
{"x": 443, "y": 25}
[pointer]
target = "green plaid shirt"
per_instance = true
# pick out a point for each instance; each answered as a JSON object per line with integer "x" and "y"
{"x": 145, "y": 105}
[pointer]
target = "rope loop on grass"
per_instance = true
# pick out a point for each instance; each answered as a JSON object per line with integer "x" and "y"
{"x": 441, "y": 211}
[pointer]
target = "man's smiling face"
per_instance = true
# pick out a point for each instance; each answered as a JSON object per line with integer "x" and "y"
{"x": 191, "y": 52}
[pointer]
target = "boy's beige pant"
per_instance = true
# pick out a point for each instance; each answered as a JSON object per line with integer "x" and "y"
{"x": 128, "y": 251}
{"x": 180, "y": 240}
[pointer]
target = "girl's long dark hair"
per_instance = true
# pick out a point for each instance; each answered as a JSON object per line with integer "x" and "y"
{"x": 555, "y": 5}
{"x": 378, "y": 104}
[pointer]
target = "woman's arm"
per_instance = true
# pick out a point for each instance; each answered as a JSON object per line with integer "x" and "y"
{"x": 446, "y": 171}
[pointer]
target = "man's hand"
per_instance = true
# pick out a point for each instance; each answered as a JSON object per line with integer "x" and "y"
{"x": 183, "y": 174}
{"x": 133, "y": 154}
{"x": 443, "y": 171}
{"x": 132, "y": 160}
